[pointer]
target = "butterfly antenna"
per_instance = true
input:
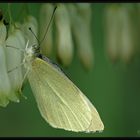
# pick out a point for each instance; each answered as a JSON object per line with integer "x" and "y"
{"x": 34, "y": 35}
{"x": 49, "y": 24}
{"x": 46, "y": 29}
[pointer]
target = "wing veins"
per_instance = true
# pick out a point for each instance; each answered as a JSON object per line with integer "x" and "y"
{"x": 66, "y": 117}
{"x": 61, "y": 99}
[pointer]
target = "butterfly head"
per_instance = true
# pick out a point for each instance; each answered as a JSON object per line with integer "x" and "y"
{"x": 31, "y": 52}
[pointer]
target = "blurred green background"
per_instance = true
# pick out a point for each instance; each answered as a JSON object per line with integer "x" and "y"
{"x": 114, "y": 89}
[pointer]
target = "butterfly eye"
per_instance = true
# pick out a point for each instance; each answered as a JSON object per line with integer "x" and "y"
{"x": 34, "y": 46}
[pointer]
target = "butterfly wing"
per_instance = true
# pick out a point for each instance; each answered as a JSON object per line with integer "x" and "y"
{"x": 58, "y": 99}
{"x": 96, "y": 122}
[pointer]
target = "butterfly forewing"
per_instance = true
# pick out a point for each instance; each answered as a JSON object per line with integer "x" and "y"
{"x": 58, "y": 99}
{"x": 96, "y": 123}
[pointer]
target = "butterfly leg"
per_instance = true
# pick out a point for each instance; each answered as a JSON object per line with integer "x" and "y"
{"x": 15, "y": 68}
{"x": 19, "y": 49}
